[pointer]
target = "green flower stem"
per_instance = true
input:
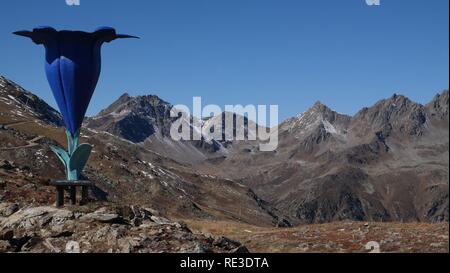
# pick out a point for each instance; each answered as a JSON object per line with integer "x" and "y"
{"x": 76, "y": 158}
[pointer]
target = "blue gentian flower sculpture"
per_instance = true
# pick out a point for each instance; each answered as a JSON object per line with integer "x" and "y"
{"x": 73, "y": 64}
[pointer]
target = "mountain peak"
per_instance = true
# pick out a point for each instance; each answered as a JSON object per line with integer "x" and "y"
{"x": 138, "y": 104}
{"x": 125, "y": 95}
{"x": 318, "y": 116}
{"x": 154, "y": 100}
{"x": 444, "y": 96}
{"x": 134, "y": 118}
{"x": 123, "y": 99}
{"x": 320, "y": 106}
{"x": 397, "y": 113}
{"x": 323, "y": 111}
{"x": 439, "y": 105}
{"x": 399, "y": 98}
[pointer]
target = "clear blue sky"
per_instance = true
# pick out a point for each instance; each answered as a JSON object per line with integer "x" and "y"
{"x": 286, "y": 52}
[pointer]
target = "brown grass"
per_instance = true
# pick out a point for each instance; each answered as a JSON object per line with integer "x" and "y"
{"x": 342, "y": 237}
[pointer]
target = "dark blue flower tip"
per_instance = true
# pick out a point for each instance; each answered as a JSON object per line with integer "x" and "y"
{"x": 125, "y": 36}
{"x": 108, "y": 34}
{"x": 44, "y": 34}
{"x": 39, "y": 35}
{"x": 24, "y": 33}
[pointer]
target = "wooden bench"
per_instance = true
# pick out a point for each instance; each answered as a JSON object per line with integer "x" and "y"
{"x": 71, "y": 186}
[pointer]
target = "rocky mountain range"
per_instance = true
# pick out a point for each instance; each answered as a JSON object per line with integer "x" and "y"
{"x": 389, "y": 162}
{"x": 19, "y": 104}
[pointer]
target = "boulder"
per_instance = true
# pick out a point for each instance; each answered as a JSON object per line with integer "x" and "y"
{"x": 36, "y": 217}
{"x": 103, "y": 216}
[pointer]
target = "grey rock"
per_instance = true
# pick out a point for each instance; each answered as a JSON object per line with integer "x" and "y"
{"x": 33, "y": 217}
{"x": 161, "y": 220}
{"x": 5, "y": 246}
{"x": 7, "y": 209}
{"x": 73, "y": 247}
{"x": 103, "y": 217}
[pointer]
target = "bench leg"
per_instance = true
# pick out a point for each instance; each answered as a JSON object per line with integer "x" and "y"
{"x": 73, "y": 195}
{"x": 60, "y": 196}
{"x": 84, "y": 195}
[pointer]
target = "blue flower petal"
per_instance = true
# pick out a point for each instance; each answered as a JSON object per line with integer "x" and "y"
{"x": 73, "y": 64}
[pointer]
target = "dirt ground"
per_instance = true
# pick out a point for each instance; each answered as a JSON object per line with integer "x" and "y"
{"x": 339, "y": 237}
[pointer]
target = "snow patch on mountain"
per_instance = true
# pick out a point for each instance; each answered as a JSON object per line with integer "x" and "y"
{"x": 329, "y": 127}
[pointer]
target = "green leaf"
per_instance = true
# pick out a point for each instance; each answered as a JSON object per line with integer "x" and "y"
{"x": 62, "y": 155}
{"x": 79, "y": 158}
